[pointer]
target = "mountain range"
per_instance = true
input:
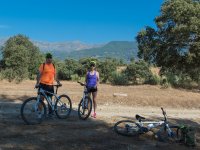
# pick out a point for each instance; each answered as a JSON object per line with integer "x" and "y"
{"x": 115, "y": 49}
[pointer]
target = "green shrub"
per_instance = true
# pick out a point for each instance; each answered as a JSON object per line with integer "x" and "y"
{"x": 153, "y": 80}
{"x": 119, "y": 79}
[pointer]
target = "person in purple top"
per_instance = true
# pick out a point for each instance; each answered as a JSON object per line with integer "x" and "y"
{"x": 92, "y": 81}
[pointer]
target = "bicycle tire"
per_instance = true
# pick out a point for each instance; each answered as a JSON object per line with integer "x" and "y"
{"x": 83, "y": 110}
{"x": 63, "y": 108}
{"x": 127, "y": 128}
{"x": 37, "y": 116}
{"x": 163, "y": 136}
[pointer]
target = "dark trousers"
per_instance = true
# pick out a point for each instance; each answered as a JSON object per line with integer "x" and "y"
{"x": 48, "y": 88}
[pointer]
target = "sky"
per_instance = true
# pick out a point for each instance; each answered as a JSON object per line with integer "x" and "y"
{"x": 89, "y": 21}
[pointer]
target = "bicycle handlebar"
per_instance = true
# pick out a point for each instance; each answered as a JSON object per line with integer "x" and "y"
{"x": 57, "y": 85}
{"x": 82, "y": 84}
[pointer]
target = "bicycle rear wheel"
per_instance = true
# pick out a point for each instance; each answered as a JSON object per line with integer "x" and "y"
{"x": 63, "y": 106}
{"x": 127, "y": 128}
{"x": 33, "y": 112}
{"x": 85, "y": 108}
{"x": 175, "y": 136}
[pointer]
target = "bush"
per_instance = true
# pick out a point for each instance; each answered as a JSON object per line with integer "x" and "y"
{"x": 138, "y": 71}
{"x": 153, "y": 80}
{"x": 119, "y": 79}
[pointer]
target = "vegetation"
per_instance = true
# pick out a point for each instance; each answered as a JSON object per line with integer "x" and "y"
{"x": 20, "y": 59}
{"x": 175, "y": 44}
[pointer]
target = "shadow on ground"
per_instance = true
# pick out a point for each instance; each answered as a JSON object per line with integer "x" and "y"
{"x": 71, "y": 133}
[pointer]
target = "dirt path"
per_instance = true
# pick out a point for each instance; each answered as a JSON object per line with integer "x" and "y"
{"x": 95, "y": 134}
{"x": 73, "y": 133}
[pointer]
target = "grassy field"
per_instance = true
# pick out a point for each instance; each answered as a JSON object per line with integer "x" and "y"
{"x": 142, "y": 95}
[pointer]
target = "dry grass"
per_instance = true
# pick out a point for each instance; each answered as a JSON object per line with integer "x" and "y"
{"x": 73, "y": 133}
{"x": 143, "y": 95}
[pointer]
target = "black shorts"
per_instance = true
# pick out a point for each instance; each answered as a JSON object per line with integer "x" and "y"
{"x": 91, "y": 89}
{"x": 48, "y": 88}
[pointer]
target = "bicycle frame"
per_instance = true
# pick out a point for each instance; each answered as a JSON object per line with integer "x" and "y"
{"x": 85, "y": 93}
{"x": 164, "y": 124}
{"x": 42, "y": 93}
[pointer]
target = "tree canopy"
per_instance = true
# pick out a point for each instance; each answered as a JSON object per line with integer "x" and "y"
{"x": 175, "y": 43}
{"x": 20, "y": 58}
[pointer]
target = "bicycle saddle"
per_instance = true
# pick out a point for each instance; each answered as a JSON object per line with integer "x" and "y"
{"x": 138, "y": 117}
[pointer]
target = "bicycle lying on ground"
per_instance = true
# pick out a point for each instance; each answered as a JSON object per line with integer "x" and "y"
{"x": 85, "y": 105}
{"x": 33, "y": 110}
{"x": 134, "y": 128}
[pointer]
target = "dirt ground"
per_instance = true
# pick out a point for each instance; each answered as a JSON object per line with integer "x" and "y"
{"x": 182, "y": 106}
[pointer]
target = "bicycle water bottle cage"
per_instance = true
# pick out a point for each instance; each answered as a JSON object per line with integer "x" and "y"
{"x": 138, "y": 117}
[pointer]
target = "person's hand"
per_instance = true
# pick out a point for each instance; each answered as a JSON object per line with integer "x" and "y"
{"x": 58, "y": 82}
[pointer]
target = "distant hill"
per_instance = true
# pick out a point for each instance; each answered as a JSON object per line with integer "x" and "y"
{"x": 59, "y": 46}
{"x": 76, "y": 49}
{"x": 63, "y": 46}
{"x": 115, "y": 49}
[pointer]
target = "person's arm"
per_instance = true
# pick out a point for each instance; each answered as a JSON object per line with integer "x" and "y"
{"x": 38, "y": 76}
{"x": 86, "y": 78}
{"x": 98, "y": 78}
{"x": 38, "y": 79}
{"x": 55, "y": 76}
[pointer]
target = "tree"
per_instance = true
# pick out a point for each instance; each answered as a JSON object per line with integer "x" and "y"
{"x": 106, "y": 68}
{"x": 138, "y": 70}
{"x": 175, "y": 44}
{"x": 20, "y": 58}
{"x": 71, "y": 66}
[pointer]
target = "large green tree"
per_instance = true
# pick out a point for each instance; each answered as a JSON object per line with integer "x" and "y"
{"x": 20, "y": 58}
{"x": 175, "y": 43}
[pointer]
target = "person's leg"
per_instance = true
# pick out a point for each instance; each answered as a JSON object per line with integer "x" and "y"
{"x": 94, "y": 97}
{"x": 50, "y": 88}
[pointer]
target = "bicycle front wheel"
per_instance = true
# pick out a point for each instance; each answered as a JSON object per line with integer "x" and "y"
{"x": 33, "y": 112}
{"x": 85, "y": 108}
{"x": 126, "y": 128}
{"x": 63, "y": 106}
{"x": 174, "y": 136}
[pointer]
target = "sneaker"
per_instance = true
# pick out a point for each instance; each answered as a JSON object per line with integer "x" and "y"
{"x": 94, "y": 115}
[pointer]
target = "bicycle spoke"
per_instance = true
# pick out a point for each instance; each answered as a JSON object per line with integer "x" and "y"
{"x": 33, "y": 112}
{"x": 63, "y": 107}
{"x": 126, "y": 128}
{"x": 85, "y": 108}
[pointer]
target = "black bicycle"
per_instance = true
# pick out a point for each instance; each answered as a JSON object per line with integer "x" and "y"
{"x": 85, "y": 105}
{"x": 33, "y": 110}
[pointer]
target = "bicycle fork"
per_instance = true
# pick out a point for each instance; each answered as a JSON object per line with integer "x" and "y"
{"x": 169, "y": 131}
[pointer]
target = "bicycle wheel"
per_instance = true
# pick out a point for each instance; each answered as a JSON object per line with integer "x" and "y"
{"x": 63, "y": 106}
{"x": 33, "y": 112}
{"x": 85, "y": 108}
{"x": 126, "y": 128}
{"x": 163, "y": 135}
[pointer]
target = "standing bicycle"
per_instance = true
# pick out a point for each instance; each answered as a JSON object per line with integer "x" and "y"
{"x": 85, "y": 105}
{"x": 140, "y": 126}
{"x": 33, "y": 110}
